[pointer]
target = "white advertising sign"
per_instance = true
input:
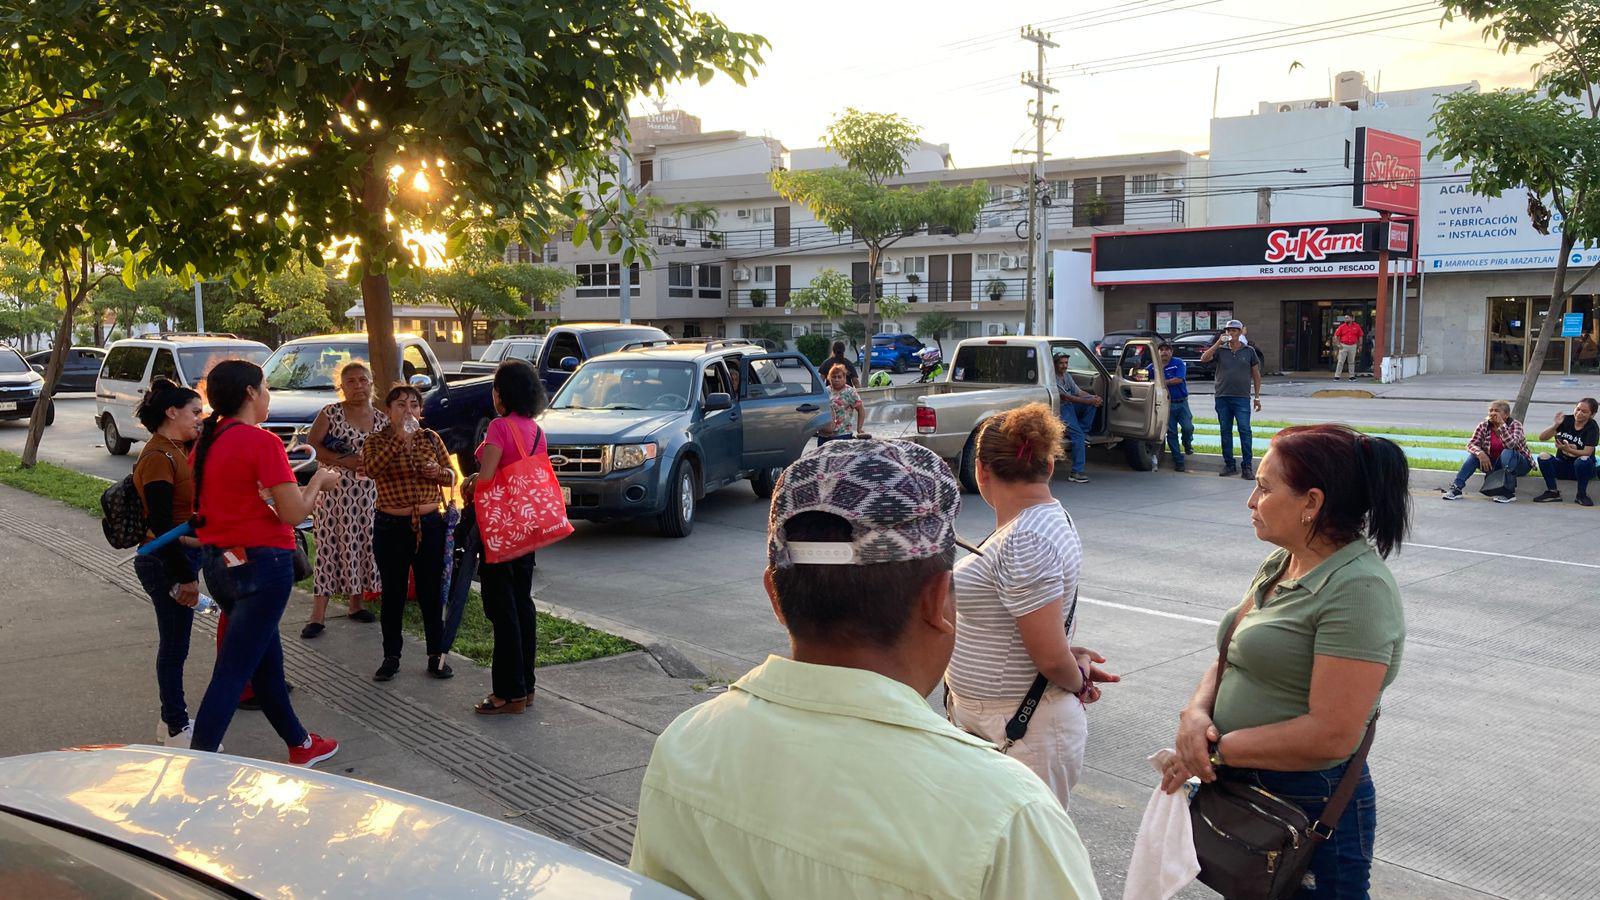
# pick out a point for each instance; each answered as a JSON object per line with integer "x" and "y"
{"x": 1465, "y": 232}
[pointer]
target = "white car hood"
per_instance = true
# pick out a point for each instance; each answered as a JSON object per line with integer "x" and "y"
{"x": 283, "y": 831}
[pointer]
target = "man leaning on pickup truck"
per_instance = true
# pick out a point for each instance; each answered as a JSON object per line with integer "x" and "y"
{"x": 1077, "y": 412}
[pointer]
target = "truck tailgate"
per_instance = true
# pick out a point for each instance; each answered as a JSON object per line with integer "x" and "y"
{"x": 892, "y": 411}
{"x": 957, "y": 414}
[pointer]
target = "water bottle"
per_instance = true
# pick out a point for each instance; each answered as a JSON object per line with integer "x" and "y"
{"x": 203, "y": 606}
{"x": 411, "y": 425}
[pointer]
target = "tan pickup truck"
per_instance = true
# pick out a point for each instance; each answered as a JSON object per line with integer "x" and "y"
{"x": 992, "y": 375}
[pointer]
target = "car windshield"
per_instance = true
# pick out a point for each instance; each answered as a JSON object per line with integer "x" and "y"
{"x": 309, "y": 367}
{"x": 11, "y": 363}
{"x": 882, "y": 342}
{"x": 198, "y": 361}
{"x": 628, "y": 385}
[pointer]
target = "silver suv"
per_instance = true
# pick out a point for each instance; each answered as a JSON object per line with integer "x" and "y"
{"x": 132, "y": 364}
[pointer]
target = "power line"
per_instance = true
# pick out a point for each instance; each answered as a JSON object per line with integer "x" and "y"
{"x": 1206, "y": 56}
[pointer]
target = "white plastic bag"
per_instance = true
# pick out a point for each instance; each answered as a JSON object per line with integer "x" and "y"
{"x": 1164, "y": 860}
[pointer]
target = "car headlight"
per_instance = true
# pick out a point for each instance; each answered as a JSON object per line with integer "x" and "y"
{"x": 631, "y": 456}
{"x": 36, "y": 389}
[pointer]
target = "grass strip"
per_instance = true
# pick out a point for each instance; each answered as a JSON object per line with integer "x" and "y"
{"x": 1364, "y": 429}
{"x": 75, "y": 489}
{"x": 559, "y": 640}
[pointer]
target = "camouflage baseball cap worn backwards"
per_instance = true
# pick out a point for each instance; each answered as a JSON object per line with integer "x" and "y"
{"x": 900, "y": 499}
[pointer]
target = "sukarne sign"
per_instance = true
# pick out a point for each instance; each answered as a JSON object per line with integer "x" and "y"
{"x": 1343, "y": 249}
{"x": 1387, "y": 168}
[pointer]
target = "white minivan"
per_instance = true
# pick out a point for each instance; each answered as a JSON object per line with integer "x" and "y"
{"x": 131, "y": 365}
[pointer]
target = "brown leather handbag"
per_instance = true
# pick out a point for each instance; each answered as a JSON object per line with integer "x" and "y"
{"x": 1252, "y": 844}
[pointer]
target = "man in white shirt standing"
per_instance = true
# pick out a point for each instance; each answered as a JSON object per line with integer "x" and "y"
{"x": 826, "y": 774}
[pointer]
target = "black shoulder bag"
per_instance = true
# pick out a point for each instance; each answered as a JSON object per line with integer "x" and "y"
{"x": 1252, "y": 844}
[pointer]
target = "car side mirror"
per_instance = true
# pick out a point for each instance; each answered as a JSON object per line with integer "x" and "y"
{"x": 421, "y": 382}
{"x": 569, "y": 363}
{"x": 38, "y": 368}
{"x": 718, "y": 401}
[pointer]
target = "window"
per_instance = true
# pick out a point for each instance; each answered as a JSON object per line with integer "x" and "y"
{"x": 166, "y": 367}
{"x": 680, "y": 280}
{"x": 480, "y": 331}
{"x": 1347, "y": 154}
{"x": 914, "y": 265}
{"x": 710, "y": 281}
{"x": 996, "y": 364}
{"x": 598, "y": 279}
{"x": 414, "y": 362}
{"x": 1062, "y": 190}
{"x": 495, "y": 353}
{"x": 986, "y": 262}
{"x": 691, "y": 330}
{"x": 633, "y": 279}
{"x": 761, "y": 216}
{"x": 563, "y": 345}
{"x": 965, "y": 329}
{"x": 126, "y": 363}
{"x": 1147, "y": 184}
{"x": 763, "y": 274}
{"x": 527, "y": 351}
{"x": 550, "y": 253}
{"x": 715, "y": 380}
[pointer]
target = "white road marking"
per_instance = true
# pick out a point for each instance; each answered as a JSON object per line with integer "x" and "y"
{"x": 1151, "y": 612}
{"x": 1559, "y": 562}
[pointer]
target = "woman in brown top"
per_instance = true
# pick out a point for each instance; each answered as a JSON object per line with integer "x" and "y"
{"x": 173, "y": 415}
{"x": 410, "y": 465}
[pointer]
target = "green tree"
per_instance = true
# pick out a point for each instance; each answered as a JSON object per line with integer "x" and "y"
{"x": 854, "y": 331}
{"x": 858, "y": 198}
{"x": 147, "y": 302}
{"x": 766, "y": 331}
{"x": 832, "y": 294}
{"x": 26, "y": 306}
{"x": 936, "y": 326}
{"x": 1545, "y": 141}
{"x": 271, "y": 131}
{"x": 289, "y": 303}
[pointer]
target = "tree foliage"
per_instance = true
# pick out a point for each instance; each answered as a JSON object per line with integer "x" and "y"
{"x": 1545, "y": 141}
{"x": 149, "y": 300}
{"x": 253, "y": 133}
{"x": 858, "y": 199}
{"x": 936, "y": 326}
{"x": 27, "y": 307}
{"x": 298, "y": 300}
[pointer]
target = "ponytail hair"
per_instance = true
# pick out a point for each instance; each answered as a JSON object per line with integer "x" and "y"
{"x": 164, "y": 394}
{"x": 1021, "y": 445}
{"x": 228, "y": 388}
{"x": 1364, "y": 480}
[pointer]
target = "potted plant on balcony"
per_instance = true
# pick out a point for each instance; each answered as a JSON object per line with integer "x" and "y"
{"x": 996, "y": 288}
{"x": 713, "y": 240}
{"x": 914, "y": 278}
{"x": 1096, "y": 208}
{"x": 758, "y": 297}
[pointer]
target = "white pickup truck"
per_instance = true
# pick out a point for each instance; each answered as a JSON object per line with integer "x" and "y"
{"x": 988, "y": 376}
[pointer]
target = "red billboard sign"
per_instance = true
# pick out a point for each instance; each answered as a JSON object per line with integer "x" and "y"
{"x": 1399, "y": 237}
{"x": 1387, "y": 169}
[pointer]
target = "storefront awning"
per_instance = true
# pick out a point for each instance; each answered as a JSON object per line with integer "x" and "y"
{"x": 1338, "y": 249}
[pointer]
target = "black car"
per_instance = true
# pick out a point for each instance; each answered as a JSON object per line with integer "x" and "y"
{"x": 1188, "y": 347}
{"x": 80, "y": 371}
{"x": 1109, "y": 348}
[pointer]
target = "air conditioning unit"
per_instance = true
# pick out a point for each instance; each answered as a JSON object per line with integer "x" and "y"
{"x": 1007, "y": 261}
{"x": 740, "y": 273}
{"x": 1172, "y": 185}
{"x": 890, "y": 267}
{"x": 742, "y": 214}
{"x": 1285, "y": 107}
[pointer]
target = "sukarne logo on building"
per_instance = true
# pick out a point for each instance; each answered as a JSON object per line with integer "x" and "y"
{"x": 1309, "y": 244}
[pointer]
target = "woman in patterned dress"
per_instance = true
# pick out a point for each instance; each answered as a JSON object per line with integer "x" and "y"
{"x": 343, "y": 520}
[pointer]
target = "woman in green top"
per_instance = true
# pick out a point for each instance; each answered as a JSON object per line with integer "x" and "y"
{"x": 1321, "y": 638}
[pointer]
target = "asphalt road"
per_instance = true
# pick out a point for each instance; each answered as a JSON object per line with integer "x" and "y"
{"x": 1486, "y": 747}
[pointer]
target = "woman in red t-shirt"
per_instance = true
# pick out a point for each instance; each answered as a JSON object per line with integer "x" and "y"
{"x": 508, "y": 585}
{"x": 248, "y": 503}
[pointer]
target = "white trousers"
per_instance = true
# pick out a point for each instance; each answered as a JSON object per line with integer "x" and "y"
{"x": 1052, "y": 748}
{"x": 1347, "y": 356}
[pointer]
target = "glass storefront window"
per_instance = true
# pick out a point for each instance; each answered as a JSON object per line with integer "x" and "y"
{"x": 1176, "y": 318}
{"x": 1585, "y": 348}
{"x": 1514, "y": 324}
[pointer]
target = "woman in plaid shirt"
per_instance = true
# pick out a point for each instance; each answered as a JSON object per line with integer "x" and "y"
{"x": 1497, "y": 443}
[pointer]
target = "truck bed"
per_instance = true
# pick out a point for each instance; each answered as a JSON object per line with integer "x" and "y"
{"x": 892, "y": 411}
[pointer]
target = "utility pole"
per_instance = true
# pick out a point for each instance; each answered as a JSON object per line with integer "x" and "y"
{"x": 199, "y": 309}
{"x": 1038, "y": 293}
{"x": 624, "y": 157}
{"x": 1263, "y": 206}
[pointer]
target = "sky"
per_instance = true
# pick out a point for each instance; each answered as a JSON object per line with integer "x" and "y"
{"x": 952, "y": 67}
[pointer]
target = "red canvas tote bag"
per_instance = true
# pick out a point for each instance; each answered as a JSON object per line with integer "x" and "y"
{"x": 522, "y": 509}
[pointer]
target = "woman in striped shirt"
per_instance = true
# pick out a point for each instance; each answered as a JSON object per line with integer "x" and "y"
{"x": 1015, "y": 604}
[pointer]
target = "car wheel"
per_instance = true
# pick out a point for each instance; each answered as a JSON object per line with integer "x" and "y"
{"x": 899, "y": 367}
{"x": 764, "y": 481}
{"x": 1142, "y": 455}
{"x": 677, "y": 520}
{"x": 116, "y": 444}
{"x": 967, "y": 471}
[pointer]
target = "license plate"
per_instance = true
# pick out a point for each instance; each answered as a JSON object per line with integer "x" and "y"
{"x": 566, "y": 495}
{"x": 8, "y": 406}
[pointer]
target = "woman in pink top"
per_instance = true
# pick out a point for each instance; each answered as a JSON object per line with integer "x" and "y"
{"x": 507, "y": 587}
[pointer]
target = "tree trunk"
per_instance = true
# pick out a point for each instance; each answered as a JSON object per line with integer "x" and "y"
{"x": 872, "y": 310}
{"x": 466, "y": 334}
{"x": 52, "y": 374}
{"x": 1552, "y": 323}
{"x": 376, "y": 302}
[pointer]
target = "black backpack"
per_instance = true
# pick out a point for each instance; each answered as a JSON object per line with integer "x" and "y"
{"x": 123, "y": 522}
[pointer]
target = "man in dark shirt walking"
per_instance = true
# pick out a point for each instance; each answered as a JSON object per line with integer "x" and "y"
{"x": 1238, "y": 376}
{"x": 837, "y": 359}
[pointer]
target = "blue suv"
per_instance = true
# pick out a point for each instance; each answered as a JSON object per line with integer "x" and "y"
{"x": 895, "y": 352}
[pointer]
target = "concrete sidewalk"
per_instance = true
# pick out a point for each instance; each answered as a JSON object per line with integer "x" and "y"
{"x": 77, "y": 636}
{"x": 1552, "y": 388}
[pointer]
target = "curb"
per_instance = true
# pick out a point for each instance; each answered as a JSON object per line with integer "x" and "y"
{"x": 679, "y": 658}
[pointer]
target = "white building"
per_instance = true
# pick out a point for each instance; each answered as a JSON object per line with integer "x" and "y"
{"x": 730, "y": 253}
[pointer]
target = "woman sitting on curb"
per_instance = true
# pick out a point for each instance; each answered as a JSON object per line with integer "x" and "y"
{"x": 1497, "y": 443}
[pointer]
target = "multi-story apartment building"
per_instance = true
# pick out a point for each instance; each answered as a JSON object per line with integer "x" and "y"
{"x": 730, "y": 254}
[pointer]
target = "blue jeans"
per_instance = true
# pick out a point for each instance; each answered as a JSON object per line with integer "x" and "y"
{"x": 1579, "y": 470}
{"x": 254, "y": 596}
{"x": 1181, "y": 417}
{"x": 1231, "y": 410}
{"x": 1079, "y": 419}
{"x": 173, "y": 623}
{"x": 1515, "y": 463}
{"x": 1342, "y": 866}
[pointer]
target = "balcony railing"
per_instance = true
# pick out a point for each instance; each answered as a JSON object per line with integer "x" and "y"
{"x": 947, "y": 291}
{"x": 1135, "y": 210}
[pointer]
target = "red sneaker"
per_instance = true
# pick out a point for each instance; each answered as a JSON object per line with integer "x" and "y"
{"x": 318, "y": 749}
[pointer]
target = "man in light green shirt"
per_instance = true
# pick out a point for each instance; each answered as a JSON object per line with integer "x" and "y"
{"x": 826, "y": 774}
